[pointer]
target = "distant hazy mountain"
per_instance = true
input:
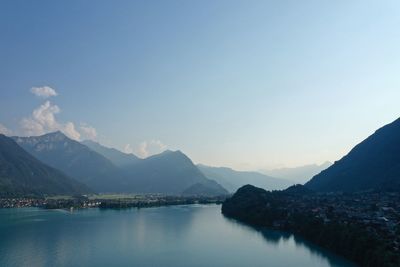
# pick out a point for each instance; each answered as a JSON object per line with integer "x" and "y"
{"x": 299, "y": 175}
{"x": 372, "y": 164}
{"x": 232, "y": 180}
{"x": 74, "y": 159}
{"x": 117, "y": 157}
{"x": 21, "y": 174}
{"x": 170, "y": 172}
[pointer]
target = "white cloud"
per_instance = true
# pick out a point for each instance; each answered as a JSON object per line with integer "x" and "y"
{"x": 148, "y": 148}
{"x": 142, "y": 150}
{"x": 88, "y": 132}
{"x": 44, "y": 91}
{"x": 43, "y": 120}
{"x": 4, "y": 130}
{"x": 128, "y": 149}
{"x": 69, "y": 130}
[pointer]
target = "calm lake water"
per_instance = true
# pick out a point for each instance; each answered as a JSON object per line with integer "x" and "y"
{"x": 196, "y": 235}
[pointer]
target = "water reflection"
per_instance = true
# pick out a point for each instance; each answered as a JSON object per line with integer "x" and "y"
{"x": 281, "y": 238}
{"x": 190, "y": 236}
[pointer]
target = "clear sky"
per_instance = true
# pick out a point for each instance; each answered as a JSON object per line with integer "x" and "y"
{"x": 243, "y": 84}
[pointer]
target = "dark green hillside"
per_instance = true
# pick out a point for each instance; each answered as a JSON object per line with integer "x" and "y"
{"x": 74, "y": 159}
{"x": 372, "y": 164}
{"x": 21, "y": 174}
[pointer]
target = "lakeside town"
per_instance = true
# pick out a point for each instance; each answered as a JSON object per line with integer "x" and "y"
{"x": 363, "y": 227}
{"x": 376, "y": 212}
{"x": 107, "y": 201}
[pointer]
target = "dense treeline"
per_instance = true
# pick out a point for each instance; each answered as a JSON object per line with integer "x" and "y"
{"x": 259, "y": 207}
{"x": 22, "y": 175}
{"x": 126, "y": 204}
{"x": 350, "y": 241}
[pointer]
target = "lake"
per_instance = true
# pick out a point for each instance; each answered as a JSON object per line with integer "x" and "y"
{"x": 194, "y": 235}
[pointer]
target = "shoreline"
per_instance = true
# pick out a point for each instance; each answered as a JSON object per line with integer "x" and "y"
{"x": 138, "y": 201}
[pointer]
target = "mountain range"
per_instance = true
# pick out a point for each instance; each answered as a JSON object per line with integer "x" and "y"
{"x": 170, "y": 171}
{"x": 233, "y": 180}
{"x": 55, "y": 164}
{"x": 22, "y": 174}
{"x": 74, "y": 159}
{"x": 372, "y": 164}
{"x": 109, "y": 170}
{"x": 117, "y": 157}
{"x": 298, "y": 175}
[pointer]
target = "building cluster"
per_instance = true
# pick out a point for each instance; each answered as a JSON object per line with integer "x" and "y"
{"x": 72, "y": 203}
{"x": 20, "y": 202}
{"x": 48, "y": 203}
{"x": 377, "y": 212}
{"x": 116, "y": 201}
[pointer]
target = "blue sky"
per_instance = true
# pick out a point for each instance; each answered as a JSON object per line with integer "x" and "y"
{"x": 243, "y": 84}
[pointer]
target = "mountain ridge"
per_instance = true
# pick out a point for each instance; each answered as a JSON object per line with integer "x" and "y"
{"x": 170, "y": 172}
{"x": 73, "y": 158}
{"x": 232, "y": 179}
{"x": 372, "y": 164}
{"x": 300, "y": 174}
{"x": 117, "y": 157}
{"x": 22, "y": 174}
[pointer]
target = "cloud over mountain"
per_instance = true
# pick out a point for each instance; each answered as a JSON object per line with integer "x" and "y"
{"x": 43, "y": 119}
{"x": 87, "y": 131}
{"x": 128, "y": 149}
{"x": 4, "y": 130}
{"x": 148, "y": 148}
